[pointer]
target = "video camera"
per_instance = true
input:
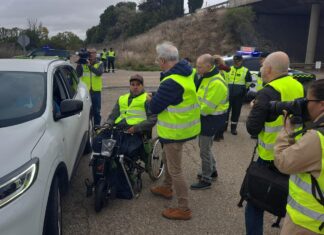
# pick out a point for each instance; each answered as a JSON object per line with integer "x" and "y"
{"x": 297, "y": 109}
{"x": 83, "y": 56}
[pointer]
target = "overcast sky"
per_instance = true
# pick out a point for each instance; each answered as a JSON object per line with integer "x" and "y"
{"x": 60, "y": 15}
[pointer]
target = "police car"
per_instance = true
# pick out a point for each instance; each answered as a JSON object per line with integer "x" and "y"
{"x": 46, "y": 52}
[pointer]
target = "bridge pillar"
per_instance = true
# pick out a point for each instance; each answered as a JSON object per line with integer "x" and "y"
{"x": 312, "y": 33}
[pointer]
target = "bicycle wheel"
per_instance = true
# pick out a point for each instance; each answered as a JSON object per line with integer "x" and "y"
{"x": 156, "y": 165}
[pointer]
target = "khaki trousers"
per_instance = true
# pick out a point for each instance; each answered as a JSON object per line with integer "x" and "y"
{"x": 172, "y": 157}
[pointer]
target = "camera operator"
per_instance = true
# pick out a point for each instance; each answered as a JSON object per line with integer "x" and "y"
{"x": 303, "y": 160}
{"x": 278, "y": 87}
{"x": 90, "y": 71}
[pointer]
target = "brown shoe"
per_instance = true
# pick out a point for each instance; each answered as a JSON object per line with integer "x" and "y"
{"x": 177, "y": 214}
{"x": 162, "y": 191}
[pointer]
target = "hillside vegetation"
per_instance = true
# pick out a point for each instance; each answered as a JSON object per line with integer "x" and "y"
{"x": 218, "y": 31}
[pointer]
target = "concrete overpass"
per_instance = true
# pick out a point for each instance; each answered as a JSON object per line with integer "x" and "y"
{"x": 301, "y": 13}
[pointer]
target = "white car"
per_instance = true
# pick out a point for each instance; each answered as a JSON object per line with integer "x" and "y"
{"x": 44, "y": 130}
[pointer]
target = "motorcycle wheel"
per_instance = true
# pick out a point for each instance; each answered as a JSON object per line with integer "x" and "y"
{"x": 100, "y": 195}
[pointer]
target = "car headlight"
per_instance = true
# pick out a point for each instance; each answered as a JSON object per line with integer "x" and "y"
{"x": 17, "y": 182}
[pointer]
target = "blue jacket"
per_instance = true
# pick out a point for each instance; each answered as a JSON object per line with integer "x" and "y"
{"x": 170, "y": 92}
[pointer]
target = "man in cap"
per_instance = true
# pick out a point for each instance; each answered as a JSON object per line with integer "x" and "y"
{"x": 131, "y": 110}
{"x": 239, "y": 78}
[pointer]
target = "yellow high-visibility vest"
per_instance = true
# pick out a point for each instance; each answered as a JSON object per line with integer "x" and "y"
{"x": 213, "y": 95}
{"x": 302, "y": 207}
{"x": 134, "y": 113}
{"x": 182, "y": 121}
{"x": 111, "y": 54}
{"x": 289, "y": 90}
{"x": 237, "y": 76}
{"x": 92, "y": 81}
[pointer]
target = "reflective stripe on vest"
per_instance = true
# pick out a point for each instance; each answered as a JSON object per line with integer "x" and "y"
{"x": 134, "y": 113}
{"x": 182, "y": 110}
{"x": 92, "y": 81}
{"x": 182, "y": 121}
{"x": 302, "y": 207}
{"x": 306, "y": 186}
{"x": 206, "y": 94}
{"x": 289, "y": 90}
{"x": 237, "y": 75}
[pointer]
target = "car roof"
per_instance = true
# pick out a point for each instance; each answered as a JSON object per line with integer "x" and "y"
{"x": 26, "y": 65}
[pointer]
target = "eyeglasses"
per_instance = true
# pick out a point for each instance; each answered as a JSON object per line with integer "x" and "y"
{"x": 307, "y": 100}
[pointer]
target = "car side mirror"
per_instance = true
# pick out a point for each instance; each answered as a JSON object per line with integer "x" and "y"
{"x": 69, "y": 107}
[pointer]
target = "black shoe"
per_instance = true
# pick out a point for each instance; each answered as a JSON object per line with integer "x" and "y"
{"x": 233, "y": 132}
{"x": 200, "y": 185}
{"x": 221, "y": 136}
{"x": 214, "y": 176}
{"x": 254, "y": 137}
{"x": 217, "y": 138}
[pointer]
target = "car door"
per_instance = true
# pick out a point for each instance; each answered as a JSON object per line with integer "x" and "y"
{"x": 71, "y": 125}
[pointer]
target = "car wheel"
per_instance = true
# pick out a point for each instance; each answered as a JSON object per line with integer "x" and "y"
{"x": 100, "y": 195}
{"x": 53, "y": 216}
{"x": 88, "y": 147}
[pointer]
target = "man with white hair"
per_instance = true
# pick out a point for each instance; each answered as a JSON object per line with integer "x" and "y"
{"x": 279, "y": 86}
{"x": 176, "y": 105}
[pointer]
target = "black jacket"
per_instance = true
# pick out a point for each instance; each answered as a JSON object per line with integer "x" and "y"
{"x": 260, "y": 111}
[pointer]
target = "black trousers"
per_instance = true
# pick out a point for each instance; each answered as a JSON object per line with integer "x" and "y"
{"x": 105, "y": 64}
{"x": 235, "y": 105}
{"x": 111, "y": 64}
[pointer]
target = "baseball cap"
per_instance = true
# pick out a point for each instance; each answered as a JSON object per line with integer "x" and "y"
{"x": 137, "y": 77}
{"x": 238, "y": 57}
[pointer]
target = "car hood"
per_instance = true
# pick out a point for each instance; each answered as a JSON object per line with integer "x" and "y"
{"x": 18, "y": 142}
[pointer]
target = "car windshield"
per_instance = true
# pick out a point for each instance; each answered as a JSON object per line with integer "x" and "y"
{"x": 22, "y": 97}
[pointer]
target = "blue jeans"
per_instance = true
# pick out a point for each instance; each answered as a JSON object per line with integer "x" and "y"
{"x": 96, "y": 106}
{"x": 254, "y": 215}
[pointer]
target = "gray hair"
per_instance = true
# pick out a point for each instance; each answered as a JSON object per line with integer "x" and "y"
{"x": 167, "y": 51}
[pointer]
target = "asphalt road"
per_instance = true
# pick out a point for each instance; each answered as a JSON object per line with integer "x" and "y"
{"x": 215, "y": 210}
